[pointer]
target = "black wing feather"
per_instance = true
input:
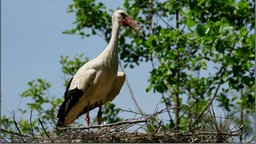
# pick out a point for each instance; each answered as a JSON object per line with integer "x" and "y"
{"x": 71, "y": 98}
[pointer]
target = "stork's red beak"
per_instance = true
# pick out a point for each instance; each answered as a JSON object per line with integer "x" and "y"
{"x": 131, "y": 23}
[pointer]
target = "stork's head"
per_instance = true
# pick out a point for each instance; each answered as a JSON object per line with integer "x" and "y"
{"x": 123, "y": 18}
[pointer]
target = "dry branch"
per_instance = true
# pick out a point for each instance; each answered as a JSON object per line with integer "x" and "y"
{"x": 16, "y": 125}
{"x": 119, "y": 132}
{"x": 15, "y": 133}
{"x": 30, "y": 121}
{"x": 43, "y": 128}
{"x": 130, "y": 90}
{"x": 106, "y": 125}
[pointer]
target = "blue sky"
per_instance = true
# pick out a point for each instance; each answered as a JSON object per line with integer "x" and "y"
{"x": 32, "y": 43}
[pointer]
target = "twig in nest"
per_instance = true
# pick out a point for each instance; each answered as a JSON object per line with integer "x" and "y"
{"x": 107, "y": 125}
{"x": 136, "y": 113}
{"x": 43, "y": 128}
{"x": 239, "y": 129}
{"x": 211, "y": 133}
{"x": 16, "y": 125}
{"x": 252, "y": 139}
{"x": 115, "y": 124}
{"x": 2, "y": 140}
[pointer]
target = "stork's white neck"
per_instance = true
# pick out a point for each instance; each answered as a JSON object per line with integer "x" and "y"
{"x": 110, "y": 54}
{"x": 112, "y": 46}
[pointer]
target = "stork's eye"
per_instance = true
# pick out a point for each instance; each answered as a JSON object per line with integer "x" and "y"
{"x": 123, "y": 15}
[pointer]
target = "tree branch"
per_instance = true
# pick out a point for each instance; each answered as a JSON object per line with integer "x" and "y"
{"x": 18, "y": 134}
{"x": 115, "y": 124}
{"x": 168, "y": 25}
{"x": 241, "y": 116}
{"x": 30, "y": 121}
{"x": 106, "y": 125}
{"x": 167, "y": 105}
{"x": 131, "y": 92}
{"x": 16, "y": 125}
{"x": 43, "y": 128}
{"x": 133, "y": 112}
{"x": 210, "y": 102}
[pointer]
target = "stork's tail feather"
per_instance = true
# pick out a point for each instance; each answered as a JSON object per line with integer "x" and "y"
{"x": 62, "y": 114}
{"x": 71, "y": 98}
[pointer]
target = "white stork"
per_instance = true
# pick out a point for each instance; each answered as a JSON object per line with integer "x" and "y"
{"x": 97, "y": 81}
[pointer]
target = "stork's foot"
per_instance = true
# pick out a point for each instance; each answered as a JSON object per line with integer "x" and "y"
{"x": 99, "y": 117}
{"x": 87, "y": 119}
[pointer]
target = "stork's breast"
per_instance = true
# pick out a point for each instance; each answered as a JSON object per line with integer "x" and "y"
{"x": 100, "y": 87}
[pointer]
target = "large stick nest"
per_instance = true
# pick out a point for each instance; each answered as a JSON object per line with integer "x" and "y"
{"x": 126, "y": 131}
{"x": 116, "y": 134}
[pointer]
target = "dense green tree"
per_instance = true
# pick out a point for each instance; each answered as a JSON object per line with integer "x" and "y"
{"x": 201, "y": 52}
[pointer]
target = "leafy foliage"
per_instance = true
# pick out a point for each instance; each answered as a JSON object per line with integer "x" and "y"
{"x": 201, "y": 52}
{"x": 69, "y": 66}
{"x": 42, "y": 107}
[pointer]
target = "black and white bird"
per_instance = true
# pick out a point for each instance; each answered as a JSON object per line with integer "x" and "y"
{"x": 97, "y": 81}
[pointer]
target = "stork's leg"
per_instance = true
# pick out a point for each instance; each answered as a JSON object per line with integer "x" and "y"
{"x": 87, "y": 115}
{"x": 99, "y": 116}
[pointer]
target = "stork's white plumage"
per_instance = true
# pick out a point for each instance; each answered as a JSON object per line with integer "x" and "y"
{"x": 97, "y": 81}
